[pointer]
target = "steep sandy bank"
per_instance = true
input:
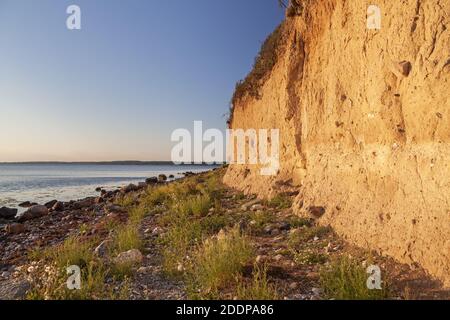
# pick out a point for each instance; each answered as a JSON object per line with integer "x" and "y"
{"x": 364, "y": 119}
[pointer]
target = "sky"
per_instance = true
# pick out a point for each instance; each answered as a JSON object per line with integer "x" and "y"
{"x": 117, "y": 88}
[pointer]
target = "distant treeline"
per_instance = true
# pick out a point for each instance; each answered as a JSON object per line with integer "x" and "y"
{"x": 120, "y": 163}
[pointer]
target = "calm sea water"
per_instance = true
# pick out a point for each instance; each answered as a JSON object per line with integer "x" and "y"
{"x": 44, "y": 182}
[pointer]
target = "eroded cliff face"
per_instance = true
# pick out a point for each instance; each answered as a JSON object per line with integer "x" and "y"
{"x": 364, "y": 119}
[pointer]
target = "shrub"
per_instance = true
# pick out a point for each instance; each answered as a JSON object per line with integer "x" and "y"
{"x": 264, "y": 63}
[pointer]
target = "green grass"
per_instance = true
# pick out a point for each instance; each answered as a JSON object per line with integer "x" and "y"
{"x": 300, "y": 236}
{"x": 50, "y": 283}
{"x": 298, "y": 222}
{"x": 346, "y": 279}
{"x": 53, "y": 286}
{"x": 195, "y": 205}
{"x": 259, "y": 220}
{"x": 259, "y": 288}
{"x": 184, "y": 233}
{"x": 127, "y": 237}
{"x": 73, "y": 251}
{"x": 125, "y": 201}
{"x": 309, "y": 257}
{"x": 280, "y": 202}
{"x": 217, "y": 263}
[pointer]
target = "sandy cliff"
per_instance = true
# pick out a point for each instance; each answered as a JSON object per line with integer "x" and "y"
{"x": 364, "y": 119}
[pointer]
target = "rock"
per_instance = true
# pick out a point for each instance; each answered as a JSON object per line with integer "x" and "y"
{"x": 284, "y": 226}
{"x": 114, "y": 209}
{"x": 6, "y": 274}
{"x": 25, "y": 204}
{"x": 268, "y": 229}
{"x": 143, "y": 270}
{"x": 257, "y": 207}
{"x": 50, "y": 204}
{"x": 102, "y": 248}
{"x": 247, "y": 205}
{"x": 171, "y": 176}
{"x": 260, "y": 259}
{"x": 7, "y": 213}
{"x": 275, "y": 232}
{"x": 129, "y": 188}
{"x": 99, "y": 200}
{"x": 152, "y": 180}
{"x": 316, "y": 238}
{"x": 86, "y": 203}
{"x": 14, "y": 228}
{"x": 278, "y": 257}
{"x": 316, "y": 212}
{"x": 98, "y": 189}
{"x": 33, "y": 213}
{"x": 133, "y": 257}
{"x": 404, "y": 67}
{"x": 293, "y": 286}
{"x": 142, "y": 185}
{"x": 58, "y": 206}
{"x": 316, "y": 291}
{"x": 162, "y": 178}
{"x": 156, "y": 231}
{"x": 14, "y": 289}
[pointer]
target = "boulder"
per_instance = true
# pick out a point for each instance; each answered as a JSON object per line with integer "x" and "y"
{"x": 25, "y": 204}
{"x": 152, "y": 180}
{"x": 171, "y": 176}
{"x": 14, "y": 228}
{"x": 142, "y": 185}
{"x": 32, "y": 213}
{"x": 58, "y": 206}
{"x": 50, "y": 204}
{"x": 129, "y": 188}
{"x": 7, "y": 213}
{"x": 86, "y": 203}
{"x": 162, "y": 178}
{"x": 248, "y": 205}
{"x": 132, "y": 257}
{"x": 99, "y": 200}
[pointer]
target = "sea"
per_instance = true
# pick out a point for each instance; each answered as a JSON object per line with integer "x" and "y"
{"x": 43, "y": 182}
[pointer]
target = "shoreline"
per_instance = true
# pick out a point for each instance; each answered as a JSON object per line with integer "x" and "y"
{"x": 73, "y": 186}
{"x": 294, "y": 250}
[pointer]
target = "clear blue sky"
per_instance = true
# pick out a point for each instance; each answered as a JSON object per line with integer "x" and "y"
{"x": 136, "y": 71}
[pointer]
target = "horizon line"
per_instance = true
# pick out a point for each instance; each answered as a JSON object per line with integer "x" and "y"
{"x": 112, "y": 162}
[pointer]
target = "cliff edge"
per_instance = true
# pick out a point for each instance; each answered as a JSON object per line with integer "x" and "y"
{"x": 364, "y": 120}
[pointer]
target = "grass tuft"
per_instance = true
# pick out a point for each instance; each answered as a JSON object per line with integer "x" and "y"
{"x": 217, "y": 263}
{"x": 346, "y": 279}
{"x": 259, "y": 288}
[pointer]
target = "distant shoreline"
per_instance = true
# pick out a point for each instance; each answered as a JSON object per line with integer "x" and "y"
{"x": 118, "y": 163}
